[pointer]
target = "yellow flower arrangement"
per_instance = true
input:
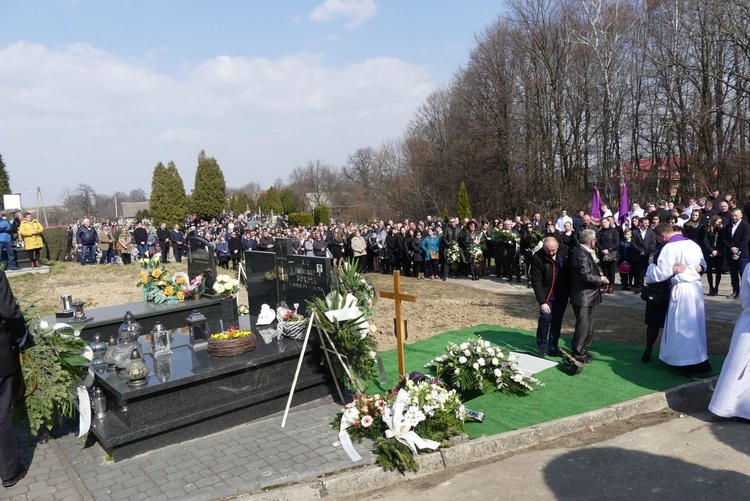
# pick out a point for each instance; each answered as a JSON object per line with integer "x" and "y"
{"x": 160, "y": 287}
{"x": 231, "y": 333}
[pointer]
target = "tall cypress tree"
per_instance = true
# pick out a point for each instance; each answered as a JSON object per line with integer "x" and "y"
{"x": 209, "y": 195}
{"x": 462, "y": 203}
{"x": 168, "y": 198}
{"x": 4, "y": 182}
{"x": 271, "y": 201}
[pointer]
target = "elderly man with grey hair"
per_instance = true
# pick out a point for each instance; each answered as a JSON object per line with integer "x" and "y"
{"x": 585, "y": 294}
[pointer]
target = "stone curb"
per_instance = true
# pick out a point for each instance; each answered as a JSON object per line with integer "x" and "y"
{"x": 366, "y": 478}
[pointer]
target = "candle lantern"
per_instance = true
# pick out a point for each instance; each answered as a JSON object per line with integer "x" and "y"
{"x": 198, "y": 327}
{"x": 109, "y": 355}
{"x": 136, "y": 370}
{"x": 127, "y": 341}
{"x": 163, "y": 367}
{"x": 99, "y": 349}
{"x": 78, "y": 313}
{"x": 160, "y": 345}
{"x": 98, "y": 402}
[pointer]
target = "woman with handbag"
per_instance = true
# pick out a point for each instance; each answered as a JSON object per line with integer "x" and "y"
{"x": 608, "y": 244}
{"x": 626, "y": 254}
{"x": 431, "y": 247}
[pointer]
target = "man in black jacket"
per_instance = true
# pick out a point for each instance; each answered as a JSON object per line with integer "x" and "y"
{"x": 550, "y": 278}
{"x": 644, "y": 243}
{"x": 585, "y": 282}
{"x": 736, "y": 240}
{"x": 12, "y": 337}
{"x": 162, "y": 234}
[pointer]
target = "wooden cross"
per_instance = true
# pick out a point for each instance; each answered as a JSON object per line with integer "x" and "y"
{"x": 398, "y": 297}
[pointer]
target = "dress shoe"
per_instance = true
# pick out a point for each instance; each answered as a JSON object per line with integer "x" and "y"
{"x": 554, "y": 352}
{"x": 15, "y": 478}
{"x": 646, "y": 357}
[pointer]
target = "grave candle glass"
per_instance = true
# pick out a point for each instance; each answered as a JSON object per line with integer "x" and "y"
{"x": 78, "y": 312}
{"x": 99, "y": 348}
{"x": 136, "y": 370}
{"x": 160, "y": 345}
{"x": 198, "y": 327}
{"x": 127, "y": 341}
{"x": 99, "y": 402}
{"x": 109, "y": 356}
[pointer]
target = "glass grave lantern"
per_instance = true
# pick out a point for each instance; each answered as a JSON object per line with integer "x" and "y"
{"x": 127, "y": 341}
{"x": 136, "y": 371}
{"x": 160, "y": 345}
{"x": 163, "y": 367}
{"x": 99, "y": 349}
{"x": 98, "y": 402}
{"x": 78, "y": 312}
{"x": 198, "y": 327}
{"x": 109, "y": 355}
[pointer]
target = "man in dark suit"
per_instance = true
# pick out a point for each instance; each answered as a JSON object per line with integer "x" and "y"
{"x": 550, "y": 278}
{"x": 644, "y": 243}
{"x": 585, "y": 282}
{"x": 736, "y": 239}
{"x": 12, "y": 337}
{"x": 162, "y": 234}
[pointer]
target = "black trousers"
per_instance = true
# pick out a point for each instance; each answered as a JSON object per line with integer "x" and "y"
{"x": 584, "y": 330}
{"x": 10, "y": 460}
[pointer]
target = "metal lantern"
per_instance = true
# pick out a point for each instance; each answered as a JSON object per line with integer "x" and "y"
{"x": 99, "y": 349}
{"x": 136, "y": 371}
{"x": 198, "y": 326}
{"x": 160, "y": 344}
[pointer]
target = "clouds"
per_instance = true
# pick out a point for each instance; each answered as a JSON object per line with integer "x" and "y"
{"x": 80, "y": 114}
{"x": 353, "y": 12}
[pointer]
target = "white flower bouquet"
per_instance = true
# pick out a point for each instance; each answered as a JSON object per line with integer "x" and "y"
{"x": 478, "y": 365}
{"x": 226, "y": 286}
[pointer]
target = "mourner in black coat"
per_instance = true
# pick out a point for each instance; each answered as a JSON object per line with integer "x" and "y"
{"x": 12, "y": 337}
{"x": 549, "y": 275}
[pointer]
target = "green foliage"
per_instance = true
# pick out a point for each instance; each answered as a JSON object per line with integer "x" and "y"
{"x": 352, "y": 281}
{"x": 290, "y": 202}
{"x": 4, "y": 182}
{"x": 271, "y": 201}
{"x": 462, "y": 203}
{"x": 209, "y": 195}
{"x": 359, "y": 352}
{"x": 143, "y": 214}
{"x": 168, "y": 200}
{"x": 300, "y": 219}
{"x": 393, "y": 455}
{"x": 321, "y": 215}
{"x": 55, "y": 242}
{"x": 52, "y": 369}
{"x": 240, "y": 203}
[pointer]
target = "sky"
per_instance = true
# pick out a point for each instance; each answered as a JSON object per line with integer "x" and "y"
{"x": 99, "y": 92}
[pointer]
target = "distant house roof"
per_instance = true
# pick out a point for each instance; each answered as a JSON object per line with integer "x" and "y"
{"x": 130, "y": 209}
{"x": 314, "y": 199}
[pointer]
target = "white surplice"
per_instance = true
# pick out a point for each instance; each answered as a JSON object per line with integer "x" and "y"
{"x": 683, "y": 340}
{"x": 731, "y": 397}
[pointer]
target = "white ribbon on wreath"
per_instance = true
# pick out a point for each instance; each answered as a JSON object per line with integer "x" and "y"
{"x": 400, "y": 427}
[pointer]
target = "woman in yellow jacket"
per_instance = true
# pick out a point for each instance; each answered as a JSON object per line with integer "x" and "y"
{"x": 31, "y": 231}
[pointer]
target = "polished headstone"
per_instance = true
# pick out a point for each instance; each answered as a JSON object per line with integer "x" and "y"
{"x": 200, "y": 257}
{"x": 262, "y": 275}
{"x": 307, "y": 277}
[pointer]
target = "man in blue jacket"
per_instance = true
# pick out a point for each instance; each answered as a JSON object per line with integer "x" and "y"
{"x": 87, "y": 237}
{"x": 6, "y": 236}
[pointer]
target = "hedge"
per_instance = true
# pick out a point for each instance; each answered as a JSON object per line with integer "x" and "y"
{"x": 321, "y": 215}
{"x": 300, "y": 219}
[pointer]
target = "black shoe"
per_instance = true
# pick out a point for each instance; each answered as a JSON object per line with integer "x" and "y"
{"x": 16, "y": 478}
{"x": 541, "y": 352}
{"x": 584, "y": 360}
{"x": 636, "y": 290}
{"x": 646, "y": 357}
{"x": 554, "y": 352}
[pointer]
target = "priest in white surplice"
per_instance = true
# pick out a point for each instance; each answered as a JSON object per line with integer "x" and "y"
{"x": 683, "y": 341}
{"x": 731, "y": 397}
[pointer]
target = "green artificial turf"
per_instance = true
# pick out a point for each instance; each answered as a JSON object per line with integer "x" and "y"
{"x": 616, "y": 375}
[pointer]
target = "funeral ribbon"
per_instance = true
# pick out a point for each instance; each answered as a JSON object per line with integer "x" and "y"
{"x": 349, "y": 418}
{"x": 400, "y": 428}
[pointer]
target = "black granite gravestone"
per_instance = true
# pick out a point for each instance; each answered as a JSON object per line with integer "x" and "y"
{"x": 262, "y": 280}
{"x": 307, "y": 277}
{"x": 200, "y": 257}
{"x": 282, "y": 247}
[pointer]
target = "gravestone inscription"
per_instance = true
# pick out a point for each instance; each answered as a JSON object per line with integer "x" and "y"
{"x": 307, "y": 277}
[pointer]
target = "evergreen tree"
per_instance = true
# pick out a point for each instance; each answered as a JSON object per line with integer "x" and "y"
{"x": 168, "y": 198}
{"x": 271, "y": 201}
{"x": 4, "y": 182}
{"x": 239, "y": 203}
{"x": 462, "y": 203}
{"x": 209, "y": 195}
{"x": 290, "y": 201}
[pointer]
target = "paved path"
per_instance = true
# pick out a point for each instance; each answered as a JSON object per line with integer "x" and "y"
{"x": 254, "y": 456}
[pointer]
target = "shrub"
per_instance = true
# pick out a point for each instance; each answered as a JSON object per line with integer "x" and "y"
{"x": 300, "y": 219}
{"x": 321, "y": 215}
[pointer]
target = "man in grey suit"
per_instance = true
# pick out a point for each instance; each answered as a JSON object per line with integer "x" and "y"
{"x": 585, "y": 283}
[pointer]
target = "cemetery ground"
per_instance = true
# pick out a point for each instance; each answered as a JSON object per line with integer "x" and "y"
{"x": 205, "y": 469}
{"x": 440, "y": 307}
